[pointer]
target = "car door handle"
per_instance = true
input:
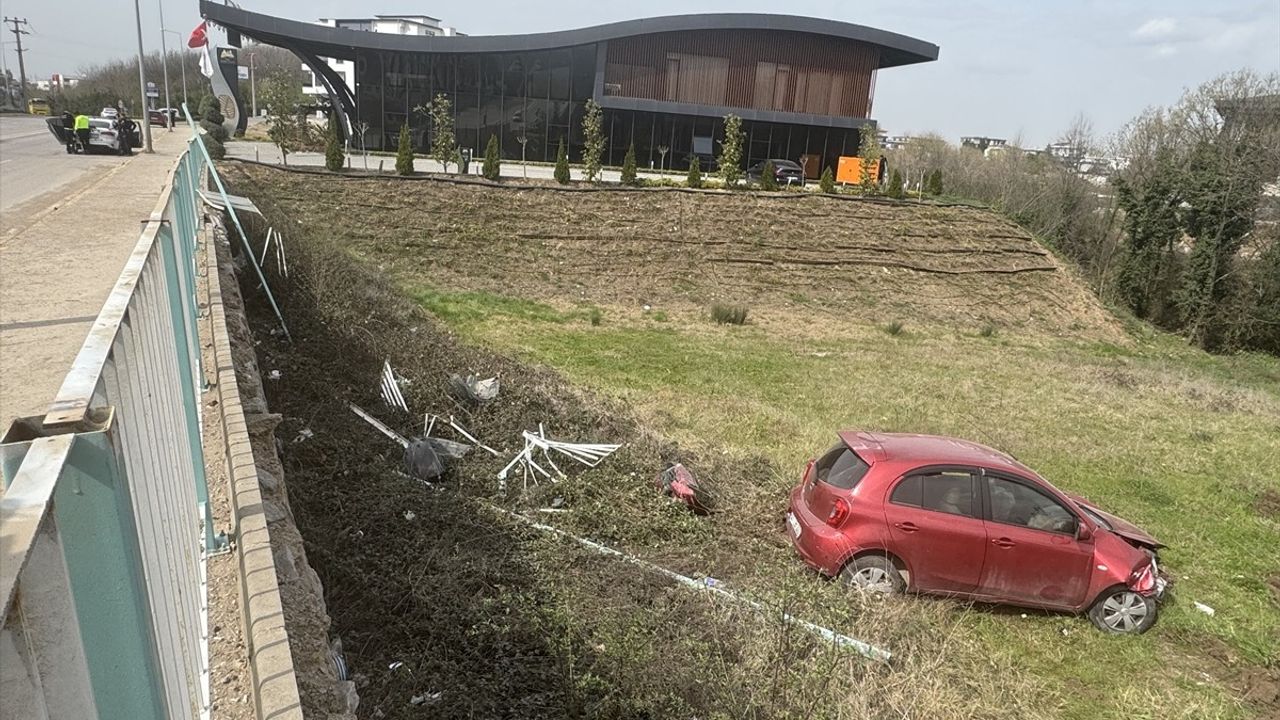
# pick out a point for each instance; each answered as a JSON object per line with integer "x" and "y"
{"x": 906, "y": 526}
{"x": 1003, "y": 542}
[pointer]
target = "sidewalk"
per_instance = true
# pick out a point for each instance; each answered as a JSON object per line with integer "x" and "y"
{"x": 59, "y": 262}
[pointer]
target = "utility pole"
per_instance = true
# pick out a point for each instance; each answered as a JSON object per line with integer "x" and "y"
{"x": 142, "y": 82}
{"x": 22, "y": 66}
{"x": 164, "y": 56}
{"x": 183, "y": 64}
{"x": 253, "y": 87}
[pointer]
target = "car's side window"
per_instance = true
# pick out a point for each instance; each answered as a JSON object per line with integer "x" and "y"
{"x": 1014, "y": 503}
{"x": 947, "y": 491}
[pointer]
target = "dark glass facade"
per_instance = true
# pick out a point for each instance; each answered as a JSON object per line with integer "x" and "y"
{"x": 541, "y": 95}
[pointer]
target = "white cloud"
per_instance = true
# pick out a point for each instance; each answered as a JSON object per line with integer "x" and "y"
{"x": 1157, "y": 28}
{"x": 1166, "y": 50}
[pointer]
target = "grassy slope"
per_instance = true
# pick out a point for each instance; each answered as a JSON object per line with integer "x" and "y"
{"x": 1177, "y": 441}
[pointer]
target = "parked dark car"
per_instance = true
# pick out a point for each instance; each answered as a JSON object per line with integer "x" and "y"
{"x": 786, "y": 172}
{"x": 157, "y": 117}
{"x": 889, "y": 513}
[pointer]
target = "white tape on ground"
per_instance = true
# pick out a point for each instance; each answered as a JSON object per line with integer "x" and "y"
{"x": 712, "y": 585}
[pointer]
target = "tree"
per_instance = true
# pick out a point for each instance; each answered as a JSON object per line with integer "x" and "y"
{"x": 895, "y": 185}
{"x": 827, "y": 183}
{"x": 694, "y": 179}
{"x": 592, "y": 141}
{"x": 768, "y": 176}
{"x": 1076, "y": 143}
{"x": 629, "y": 166}
{"x": 404, "y": 151}
{"x": 662, "y": 156}
{"x": 731, "y": 151}
{"x": 870, "y": 152}
{"x": 287, "y": 124}
{"x": 492, "y": 168}
{"x": 333, "y": 156}
{"x": 562, "y": 165}
{"x": 933, "y": 185}
{"x": 444, "y": 144}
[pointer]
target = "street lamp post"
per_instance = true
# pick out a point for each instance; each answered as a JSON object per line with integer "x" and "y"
{"x": 164, "y": 57}
{"x": 253, "y": 87}
{"x": 182, "y": 64}
{"x": 142, "y": 80}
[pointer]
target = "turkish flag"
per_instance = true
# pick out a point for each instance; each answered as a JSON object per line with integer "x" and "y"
{"x": 198, "y": 37}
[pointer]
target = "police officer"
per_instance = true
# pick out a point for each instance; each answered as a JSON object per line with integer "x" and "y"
{"x": 69, "y": 130}
{"x": 82, "y": 132}
{"x": 126, "y": 130}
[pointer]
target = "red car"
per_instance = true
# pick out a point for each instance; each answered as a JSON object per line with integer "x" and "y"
{"x": 891, "y": 512}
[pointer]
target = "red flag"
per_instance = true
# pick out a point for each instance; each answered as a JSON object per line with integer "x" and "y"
{"x": 198, "y": 37}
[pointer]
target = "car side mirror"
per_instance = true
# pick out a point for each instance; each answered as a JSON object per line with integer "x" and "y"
{"x": 1084, "y": 533}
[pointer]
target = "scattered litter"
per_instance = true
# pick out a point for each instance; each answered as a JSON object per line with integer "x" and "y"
{"x": 391, "y": 394}
{"x": 713, "y": 586}
{"x": 589, "y": 454}
{"x": 336, "y": 658}
{"x": 448, "y": 448}
{"x": 273, "y": 375}
{"x": 410, "y": 515}
{"x": 266, "y": 245}
{"x": 1205, "y": 609}
{"x": 422, "y": 461}
{"x": 553, "y": 510}
{"x": 557, "y": 502}
{"x": 473, "y": 388}
{"x": 304, "y": 434}
{"x": 377, "y": 424}
{"x": 678, "y": 483}
{"x": 425, "y": 698}
{"x": 397, "y": 665}
{"x": 463, "y": 432}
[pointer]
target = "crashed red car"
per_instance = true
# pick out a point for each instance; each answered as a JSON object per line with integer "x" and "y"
{"x": 890, "y": 512}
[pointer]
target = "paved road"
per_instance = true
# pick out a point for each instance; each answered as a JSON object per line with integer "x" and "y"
{"x": 32, "y": 162}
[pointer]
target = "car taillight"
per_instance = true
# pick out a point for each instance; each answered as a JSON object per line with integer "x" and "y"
{"x": 839, "y": 511}
{"x": 1144, "y": 580}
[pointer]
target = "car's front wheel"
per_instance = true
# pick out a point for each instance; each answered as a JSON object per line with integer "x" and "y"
{"x": 874, "y": 573}
{"x": 1123, "y": 611}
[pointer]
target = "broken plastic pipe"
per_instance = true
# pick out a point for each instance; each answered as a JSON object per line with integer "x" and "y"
{"x": 463, "y": 432}
{"x": 377, "y": 424}
{"x": 391, "y": 394}
{"x": 713, "y": 586}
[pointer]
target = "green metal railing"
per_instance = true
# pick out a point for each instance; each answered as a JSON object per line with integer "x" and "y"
{"x": 106, "y": 507}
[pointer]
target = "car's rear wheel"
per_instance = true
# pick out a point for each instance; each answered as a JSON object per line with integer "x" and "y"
{"x": 1123, "y": 611}
{"x": 874, "y": 573}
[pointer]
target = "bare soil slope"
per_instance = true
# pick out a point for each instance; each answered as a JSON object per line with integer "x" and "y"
{"x": 877, "y": 261}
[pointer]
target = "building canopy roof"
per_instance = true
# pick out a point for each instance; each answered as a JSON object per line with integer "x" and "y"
{"x": 327, "y": 41}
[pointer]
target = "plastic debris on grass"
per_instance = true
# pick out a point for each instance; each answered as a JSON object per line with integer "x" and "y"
{"x": 679, "y": 484}
{"x": 589, "y": 454}
{"x": 474, "y": 389}
{"x": 390, "y": 388}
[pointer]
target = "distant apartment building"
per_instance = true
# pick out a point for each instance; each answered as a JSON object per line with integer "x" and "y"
{"x": 895, "y": 142}
{"x": 982, "y": 144}
{"x": 419, "y": 25}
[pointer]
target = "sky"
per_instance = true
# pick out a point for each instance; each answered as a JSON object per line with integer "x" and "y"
{"x": 1018, "y": 69}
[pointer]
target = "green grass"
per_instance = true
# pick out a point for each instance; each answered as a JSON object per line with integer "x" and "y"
{"x": 1176, "y": 440}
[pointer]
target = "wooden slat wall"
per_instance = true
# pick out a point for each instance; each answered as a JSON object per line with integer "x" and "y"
{"x": 812, "y": 73}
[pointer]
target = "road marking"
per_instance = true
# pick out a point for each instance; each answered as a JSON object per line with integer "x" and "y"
{"x": 13, "y": 232}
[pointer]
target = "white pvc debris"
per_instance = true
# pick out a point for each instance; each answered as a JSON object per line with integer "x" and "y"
{"x": 589, "y": 454}
{"x": 390, "y": 387}
{"x": 712, "y": 585}
{"x": 377, "y": 424}
{"x": 1204, "y": 608}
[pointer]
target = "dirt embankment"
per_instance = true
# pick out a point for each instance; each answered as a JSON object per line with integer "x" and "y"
{"x": 442, "y": 603}
{"x": 867, "y": 261}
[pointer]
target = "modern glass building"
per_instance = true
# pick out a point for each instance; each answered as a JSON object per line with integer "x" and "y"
{"x": 803, "y": 86}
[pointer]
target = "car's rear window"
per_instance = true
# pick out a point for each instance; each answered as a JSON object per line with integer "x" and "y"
{"x": 841, "y": 467}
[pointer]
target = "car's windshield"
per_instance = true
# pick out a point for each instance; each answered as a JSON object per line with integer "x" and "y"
{"x": 105, "y": 124}
{"x": 1095, "y": 517}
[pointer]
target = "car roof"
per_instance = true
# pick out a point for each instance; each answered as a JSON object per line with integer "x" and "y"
{"x": 913, "y": 449}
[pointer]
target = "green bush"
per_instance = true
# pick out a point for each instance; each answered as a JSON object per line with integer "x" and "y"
{"x": 988, "y": 330}
{"x": 562, "y": 165}
{"x": 333, "y": 156}
{"x": 827, "y": 183}
{"x": 695, "y": 174}
{"x": 404, "y": 152}
{"x": 895, "y": 185}
{"x": 729, "y": 314}
{"x": 769, "y": 176}
{"x": 933, "y": 183}
{"x": 211, "y": 111}
{"x": 596, "y": 316}
{"x": 217, "y": 150}
{"x": 893, "y": 328}
{"x": 215, "y": 130}
{"x": 492, "y": 167}
{"x": 629, "y": 166}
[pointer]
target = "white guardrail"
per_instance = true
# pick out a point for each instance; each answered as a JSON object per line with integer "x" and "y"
{"x": 105, "y": 518}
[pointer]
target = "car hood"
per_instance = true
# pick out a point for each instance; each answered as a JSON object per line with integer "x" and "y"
{"x": 1119, "y": 525}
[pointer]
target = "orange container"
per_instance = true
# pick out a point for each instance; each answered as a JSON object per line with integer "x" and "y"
{"x": 849, "y": 170}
